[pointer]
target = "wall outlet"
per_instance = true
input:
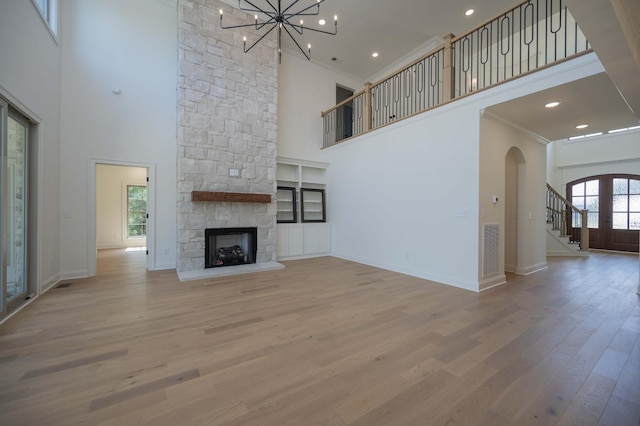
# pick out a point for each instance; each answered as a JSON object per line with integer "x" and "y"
{"x": 234, "y": 173}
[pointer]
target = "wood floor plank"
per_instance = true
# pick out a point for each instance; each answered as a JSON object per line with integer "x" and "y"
{"x": 327, "y": 341}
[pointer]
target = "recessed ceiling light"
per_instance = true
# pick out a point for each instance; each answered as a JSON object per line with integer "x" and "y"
{"x": 322, "y": 22}
{"x": 582, "y": 126}
{"x": 552, "y": 104}
{"x": 374, "y": 54}
{"x": 469, "y": 12}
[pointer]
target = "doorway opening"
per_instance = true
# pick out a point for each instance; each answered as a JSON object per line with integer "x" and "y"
{"x": 121, "y": 225}
{"x": 613, "y": 202}
{"x": 121, "y": 210}
{"x": 344, "y": 118}
{"x": 515, "y": 179}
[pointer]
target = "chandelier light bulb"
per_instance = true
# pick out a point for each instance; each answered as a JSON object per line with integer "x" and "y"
{"x": 277, "y": 17}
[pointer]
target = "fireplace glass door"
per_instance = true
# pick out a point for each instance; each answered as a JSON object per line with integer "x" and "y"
{"x": 230, "y": 246}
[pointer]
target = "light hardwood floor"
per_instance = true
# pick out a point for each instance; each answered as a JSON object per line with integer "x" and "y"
{"x": 327, "y": 342}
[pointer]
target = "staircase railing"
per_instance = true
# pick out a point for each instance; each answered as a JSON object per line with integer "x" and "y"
{"x": 568, "y": 219}
{"x": 526, "y": 37}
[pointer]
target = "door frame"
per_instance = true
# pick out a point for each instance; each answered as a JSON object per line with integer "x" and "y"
{"x": 603, "y": 235}
{"x": 92, "y": 244}
{"x": 23, "y": 121}
{"x": 34, "y": 215}
{"x": 4, "y": 112}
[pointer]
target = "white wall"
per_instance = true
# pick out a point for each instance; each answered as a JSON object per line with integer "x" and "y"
{"x": 30, "y": 79}
{"x": 393, "y": 195}
{"x": 131, "y": 46}
{"x": 572, "y": 160}
{"x": 304, "y": 90}
{"x": 496, "y": 139}
{"x": 111, "y": 204}
{"x": 407, "y": 197}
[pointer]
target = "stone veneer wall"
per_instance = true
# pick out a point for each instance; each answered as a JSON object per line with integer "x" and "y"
{"x": 227, "y": 118}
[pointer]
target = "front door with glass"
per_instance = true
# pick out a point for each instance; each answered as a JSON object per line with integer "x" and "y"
{"x": 613, "y": 202}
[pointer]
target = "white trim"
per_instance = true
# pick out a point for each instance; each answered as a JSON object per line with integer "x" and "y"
{"x": 492, "y": 282}
{"x": 436, "y": 279}
{"x": 36, "y": 127}
{"x": 125, "y": 216}
{"x": 496, "y": 118}
{"x": 531, "y": 269}
{"x": 72, "y": 275}
{"x": 91, "y": 213}
{"x": 53, "y": 16}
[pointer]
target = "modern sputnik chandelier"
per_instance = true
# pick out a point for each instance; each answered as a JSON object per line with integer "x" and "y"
{"x": 274, "y": 16}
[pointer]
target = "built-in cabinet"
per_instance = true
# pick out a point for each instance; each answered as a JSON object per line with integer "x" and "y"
{"x": 302, "y": 229}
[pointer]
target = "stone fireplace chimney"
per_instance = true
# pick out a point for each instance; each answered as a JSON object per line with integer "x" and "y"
{"x": 227, "y": 132}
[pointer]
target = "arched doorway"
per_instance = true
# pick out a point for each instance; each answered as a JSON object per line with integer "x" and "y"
{"x": 613, "y": 202}
{"x": 514, "y": 191}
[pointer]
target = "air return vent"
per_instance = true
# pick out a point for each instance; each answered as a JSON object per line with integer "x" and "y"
{"x": 490, "y": 240}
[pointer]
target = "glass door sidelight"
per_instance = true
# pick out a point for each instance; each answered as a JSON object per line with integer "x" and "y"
{"x": 613, "y": 202}
{"x": 14, "y": 136}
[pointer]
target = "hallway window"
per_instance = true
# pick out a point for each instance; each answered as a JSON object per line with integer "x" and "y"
{"x": 626, "y": 203}
{"x": 586, "y": 196}
{"x": 49, "y": 11}
{"x": 136, "y": 211}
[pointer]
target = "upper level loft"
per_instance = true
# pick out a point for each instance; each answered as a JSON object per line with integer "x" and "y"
{"x": 526, "y": 38}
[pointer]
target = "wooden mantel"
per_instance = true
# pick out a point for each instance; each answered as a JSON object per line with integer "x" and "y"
{"x": 230, "y": 197}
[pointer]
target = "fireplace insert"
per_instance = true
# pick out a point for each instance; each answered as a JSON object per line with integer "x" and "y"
{"x": 230, "y": 246}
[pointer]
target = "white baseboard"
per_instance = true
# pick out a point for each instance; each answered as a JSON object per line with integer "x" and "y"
{"x": 491, "y": 282}
{"x": 531, "y": 269}
{"x": 164, "y": 266}
{"x": 303, "y": 256}
{"x": 72, "y": 275}
{"x": 49, "y": 283}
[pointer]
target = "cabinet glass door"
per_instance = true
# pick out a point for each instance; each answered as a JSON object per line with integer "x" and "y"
{"x": 287, "y": 206}
{"x": 312, "y": 205}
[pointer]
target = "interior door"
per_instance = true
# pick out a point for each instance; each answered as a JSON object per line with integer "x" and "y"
{"x": 613, "y": 202}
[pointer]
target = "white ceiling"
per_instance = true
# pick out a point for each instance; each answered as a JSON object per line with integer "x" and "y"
{"x": 398, "y": 28}
{"x": 593, "y": 100}
{"x": 391, "y": 28}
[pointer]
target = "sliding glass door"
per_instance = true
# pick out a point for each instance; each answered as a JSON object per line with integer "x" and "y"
{"x": 14, "y": 136}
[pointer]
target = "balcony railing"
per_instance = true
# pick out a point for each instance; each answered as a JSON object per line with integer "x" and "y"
{"x": 529, "y": 36}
